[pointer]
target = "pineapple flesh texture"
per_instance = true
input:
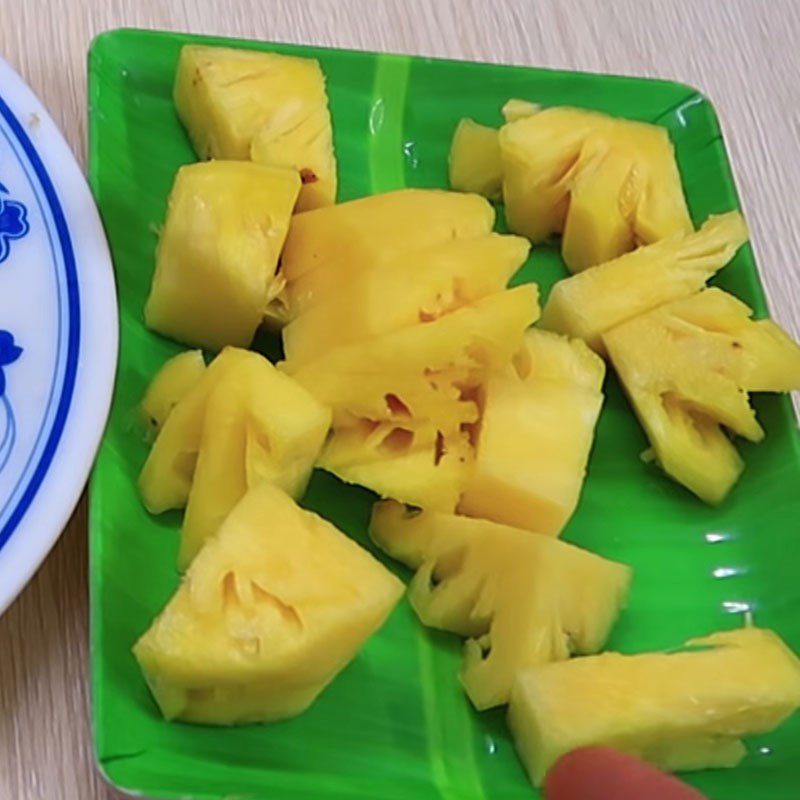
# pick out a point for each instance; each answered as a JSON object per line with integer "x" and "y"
{"x": 520, "y": 598}
{"x": 683, "y": 710}
{"x": 535, "y": 435}
{"x": 171, "y": 384}
{"x": 259, "y": 426}
{"x": 216, "y": 258}
{"x": 424, "y": 369}
{"x": 274, "y": 606}
{"x": 328, "y": 247}
{"x": 687, "y": 368}
{"x": 474, "y": 162}
{"x": 417, "y": 287}
{"x": 620, "y": 174}
{"x": 593, "y": 301}
{"x": 241, "y": 104}
{"x": 401, "y": 459}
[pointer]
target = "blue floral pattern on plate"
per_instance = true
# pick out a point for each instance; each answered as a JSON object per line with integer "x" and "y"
{"x": 9, "y": 353}
{"x": 13, "y": 222}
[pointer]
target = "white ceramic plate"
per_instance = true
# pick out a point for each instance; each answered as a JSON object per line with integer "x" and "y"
{"x": 58, "y": 333}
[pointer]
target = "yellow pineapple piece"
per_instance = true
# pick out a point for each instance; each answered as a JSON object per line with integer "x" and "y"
{"x": 594, "y": 301}
{"x": 242, "y": 104}
{"x": 259, "y": 425}
{"x": 683, "y": 710}
{"x": 327, "y": 247}
{"x": 515, "y": 109}
{"x": 522, "y": 599}
{"x": 167, "y": 474}
{"x": 226, "y": 223}
{"x": 687, "y": 368}
{"x": 423, "y": 368}
{"x": 273, "y": 607}
{"x": 418, "y": 287}
{"x": 475, "y": 160}
{"x": 172, "y": 382}
{"x": 243, "y": 422}
{"x": 602, "y": 202}
{"x": 617, "y": 170}
{"x": 401, "y": 459}
{"x": 535, "y": 435}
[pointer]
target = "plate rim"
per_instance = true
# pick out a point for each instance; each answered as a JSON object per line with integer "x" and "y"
{"x": 52, "y": 495}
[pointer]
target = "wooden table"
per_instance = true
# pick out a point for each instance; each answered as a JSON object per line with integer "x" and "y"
{"x": 741, "y": 53}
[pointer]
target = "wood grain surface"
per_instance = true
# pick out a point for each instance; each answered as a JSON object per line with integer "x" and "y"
{"x": 740, "y": 53}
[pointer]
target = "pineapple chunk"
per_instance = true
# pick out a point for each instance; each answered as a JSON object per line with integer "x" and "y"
{"x": 524, "y": 598}
{"x": 172, "y": 382}
{"x": 602, "y": 202}
{"x": 418, "y": 287}
{"x": 535, "y": 435}
{"x": 618, "y": 171}
{"x": 475, "y": 160}
{"x": 422, "y": 369}
{"x": 403, "y": 460}
{"x": 242, "y": 104}
{"x": 328, "y": 247}
{"x": 682, "y": 710}
{"x": 515, "y": 109}
{"x": 273, "y": 607}
{"x": 594, "y": 301}
{"x": 226, "y": 223}
{"x": 259, "y": 426}
{"x": 167, "y": 474}
{"x": 243, "y": 421}
{"x": 687, "y": 368}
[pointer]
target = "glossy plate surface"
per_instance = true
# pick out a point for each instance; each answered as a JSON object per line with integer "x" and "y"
{"x": 395, "y": 724}
{"x": 58, "y": 333}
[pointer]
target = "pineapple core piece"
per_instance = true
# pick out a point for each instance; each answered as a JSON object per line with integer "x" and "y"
{"x": 241, "y": 104}
{"x": 594, "y": 301}
{"x": 522, "y": 599}
{"x": 605, "y": 183}
{"x": 683, "y": 710}
{"x": 273, "y": 607}
{"x": 418, "y": 287}
{"x": 535, "y": 435}
{"x": 226, "y": 223}
{"x": 172, "y": 382}
{"x": 327, "y": 247}
{"x": 687, "y": 368}
{"x": 401, "y": 459}
{"x": 424, "y": 370}
{"x": 475, "y": 160}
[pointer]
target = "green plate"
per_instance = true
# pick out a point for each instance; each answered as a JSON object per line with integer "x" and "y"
{"x": 395, "y": 723}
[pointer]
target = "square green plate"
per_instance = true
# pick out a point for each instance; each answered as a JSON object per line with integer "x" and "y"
{"x": 395, "y": 724}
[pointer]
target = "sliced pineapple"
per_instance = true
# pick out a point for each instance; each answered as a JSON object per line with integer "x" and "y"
{"x": 522, "y": 599}
{"x": 687, "y": 368}
{"x": 594, "y": 301}
{"x": 474, "y": 164}
{"x": 619, "y": 173}
{"x": 238, "y": 104}
{"x": 244, "y": 422}
{"x": 418, "y": 287}
{"x": 683, "y": 710}
{"x": 423, "y": 369}
{"x": 273, "y": 607}
{"x": 167, "y": 475}
{"x": 535, "y": 435}
{"x": 172, "y": 382}
{"x": 327, "y": 247}
{"x": 402, "y": 459}
{"x": 226, "y": 223}
{"x": 515, "y": 109}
